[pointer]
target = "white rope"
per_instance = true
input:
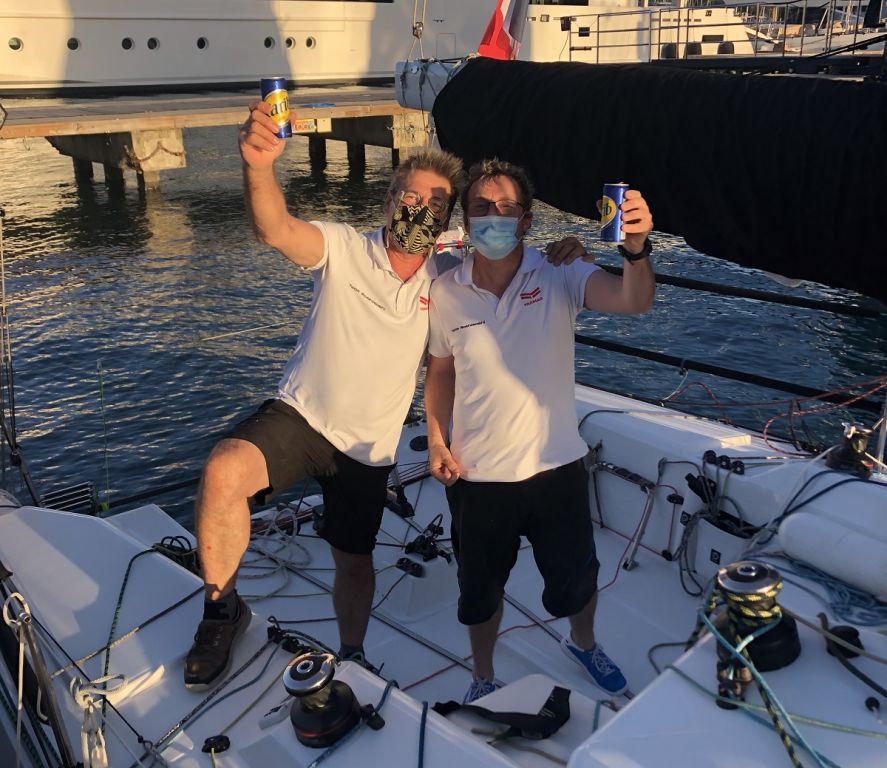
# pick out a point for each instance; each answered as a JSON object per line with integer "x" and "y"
{"x": 277, "y": 544}
{"x": 15, "y": 624}
{"x": 92, "y": 735}
{"x": 418, "y": 28}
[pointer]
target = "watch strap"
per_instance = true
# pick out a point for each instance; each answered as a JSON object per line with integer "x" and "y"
{"x": 644, "y": 253}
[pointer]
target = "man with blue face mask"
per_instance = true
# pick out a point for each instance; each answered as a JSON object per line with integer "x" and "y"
{"x": 501, "y": 366}
{"x": 344, "y": 393}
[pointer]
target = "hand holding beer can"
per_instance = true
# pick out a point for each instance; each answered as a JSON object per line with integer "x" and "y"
{"x": 274, "y": 92}
{"x": 611, "y": 213}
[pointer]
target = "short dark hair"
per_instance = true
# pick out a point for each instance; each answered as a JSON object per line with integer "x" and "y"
{"x": 444, "y": 164}
{"x": 486, "y": 170}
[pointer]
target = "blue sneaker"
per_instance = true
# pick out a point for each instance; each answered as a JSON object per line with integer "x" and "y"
{"x": 600, "y": 667}
{"x": 479, "y": 687}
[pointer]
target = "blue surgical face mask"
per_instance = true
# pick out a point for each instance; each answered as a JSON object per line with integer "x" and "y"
{"x": 494, "y": 236}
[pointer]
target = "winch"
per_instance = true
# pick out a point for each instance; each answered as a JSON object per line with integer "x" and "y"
{"x": 324, "y": 709}
{"x": 750, "y": 589}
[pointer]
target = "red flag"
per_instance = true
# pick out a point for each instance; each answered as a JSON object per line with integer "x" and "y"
{"x": 503, "y": 35}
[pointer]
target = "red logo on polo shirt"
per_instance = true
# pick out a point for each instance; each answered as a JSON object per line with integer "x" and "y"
{"x": 423, "y": 303}
{"x": 531, "y": 297}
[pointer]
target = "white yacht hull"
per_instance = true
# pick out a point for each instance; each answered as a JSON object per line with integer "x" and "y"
{"x": 71, "y": 570}
{"x": 94, "y": 46}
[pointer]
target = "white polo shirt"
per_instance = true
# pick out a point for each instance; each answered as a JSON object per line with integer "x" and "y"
{"x": 515, "y": 409}
{"x": 353, "y": 372}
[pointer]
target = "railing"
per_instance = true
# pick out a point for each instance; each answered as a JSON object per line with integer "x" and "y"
{"x": 647, "y": 34}
{"x": 809, "y": 27}
{"x": 791, "y": 28}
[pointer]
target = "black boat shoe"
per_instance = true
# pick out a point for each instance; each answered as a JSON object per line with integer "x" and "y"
{"x": 210, "y": 656}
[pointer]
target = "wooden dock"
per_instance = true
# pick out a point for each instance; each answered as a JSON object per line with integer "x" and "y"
{"x": 144, "y": 133}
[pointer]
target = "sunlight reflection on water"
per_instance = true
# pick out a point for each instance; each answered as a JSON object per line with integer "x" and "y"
{"x": 116, "y": 303}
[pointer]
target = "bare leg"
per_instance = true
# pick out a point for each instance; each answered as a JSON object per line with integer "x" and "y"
{"x": 353, "y": 590}
{"x": 582, "y": 625}
{"x": 234, "y": 472}
{"x": 483, "y": 641}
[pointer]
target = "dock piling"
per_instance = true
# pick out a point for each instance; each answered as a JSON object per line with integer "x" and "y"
{"x": 144, "y": 134}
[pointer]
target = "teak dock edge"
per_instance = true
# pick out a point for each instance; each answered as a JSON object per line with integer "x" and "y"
{"x": 145, "y": 133}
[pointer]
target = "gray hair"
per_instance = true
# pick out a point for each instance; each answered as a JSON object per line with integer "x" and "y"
{"x": 444, "y": 164}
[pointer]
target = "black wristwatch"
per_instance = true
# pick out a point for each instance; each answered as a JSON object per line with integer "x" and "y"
{"x": 643, "y": 254}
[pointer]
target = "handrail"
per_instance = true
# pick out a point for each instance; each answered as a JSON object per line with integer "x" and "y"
{"x": 686, "y": 364}
{"x": 722, "y": 289}
{"x": 656, "y": 22}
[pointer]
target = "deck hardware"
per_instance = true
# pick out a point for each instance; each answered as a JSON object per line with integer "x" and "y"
{"x": 647, "y": 487}
{"x": 750, "y": 589}
{"x": 216, "y": 744}
{"x": 851, "y": 455}
{"x": 410, "y": 567}
{"x": 324, "y": 709}
{"x": 425, "y": 544}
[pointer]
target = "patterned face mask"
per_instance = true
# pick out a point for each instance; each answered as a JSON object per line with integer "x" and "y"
{"x": 415, "y": 228}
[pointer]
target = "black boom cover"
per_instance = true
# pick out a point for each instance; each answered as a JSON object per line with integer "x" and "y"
{"x": 781, "y": 173}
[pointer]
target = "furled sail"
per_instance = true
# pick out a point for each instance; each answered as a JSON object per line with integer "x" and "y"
{"x": 786, "y": 174}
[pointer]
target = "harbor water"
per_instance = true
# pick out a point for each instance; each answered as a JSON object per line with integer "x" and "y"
{"x": 143, "y": 326}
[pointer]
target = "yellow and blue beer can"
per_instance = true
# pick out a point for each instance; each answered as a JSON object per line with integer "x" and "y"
{"x": 274, "y": 92}
{"x": 611, "y": 215}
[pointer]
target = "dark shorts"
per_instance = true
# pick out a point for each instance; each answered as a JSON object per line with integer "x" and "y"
{"x": 551, "y": 510}
{"x": 353, "y": 493}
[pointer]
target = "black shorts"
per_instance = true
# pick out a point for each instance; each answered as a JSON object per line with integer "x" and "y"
{"x": 353, "y": 493}
{"x": 551, "y": 509}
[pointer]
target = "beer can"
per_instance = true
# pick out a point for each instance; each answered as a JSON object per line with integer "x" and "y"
{"x": 274, "y": 92}
{"x": 611, "y": 216}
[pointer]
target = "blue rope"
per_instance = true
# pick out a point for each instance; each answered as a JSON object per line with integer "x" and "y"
{"x": 597, "y": 715}
{"x": 422, "y": 723}
{"x": 759, "y": 719}
{"x": 786, "y": 718}
{"x": 846, "y": 602}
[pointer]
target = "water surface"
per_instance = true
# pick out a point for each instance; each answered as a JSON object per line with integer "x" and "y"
{"x": 117, "y": 303}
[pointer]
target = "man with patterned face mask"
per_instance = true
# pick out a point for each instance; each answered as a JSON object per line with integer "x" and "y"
{"x": 344, "y": 394}
{"x": 501, "y": 366}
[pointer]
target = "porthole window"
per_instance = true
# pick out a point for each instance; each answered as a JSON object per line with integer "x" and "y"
{"x": 310, "y": 42}
{"x": 153, "y": 43}
{"x": 73, "y": 43}
{"x": 269, "y": 42}
{"x": 290, "y": 42}
{"x": 16, "y": 44}
{"x": 127, "y": 44}
{"x": 202, "y": 43}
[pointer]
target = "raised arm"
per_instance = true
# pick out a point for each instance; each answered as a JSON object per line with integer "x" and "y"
{"x": 273, "y": 224}
{"x": 440, "y": 392}
{"x": 633, "y": 293}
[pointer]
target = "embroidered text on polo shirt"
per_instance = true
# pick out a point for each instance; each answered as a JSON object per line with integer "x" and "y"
{"x": 368, "y": 298}
{"x": 531, "y": 297}
{"x": 423, "y": 303}
{"x": 468, "y": 325}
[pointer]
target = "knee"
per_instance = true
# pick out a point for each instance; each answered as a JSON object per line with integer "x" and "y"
{"x": 569, "y": 602}
{"x": 232, "y": 469}
{"x": 478, "y": 606}
{"x": 355, "y": 568}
